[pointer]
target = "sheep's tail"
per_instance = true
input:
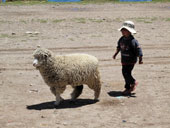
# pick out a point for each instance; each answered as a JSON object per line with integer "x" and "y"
{"x": 95, "y": 84}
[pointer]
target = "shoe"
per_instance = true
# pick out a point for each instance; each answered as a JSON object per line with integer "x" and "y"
{"x": 133, "y": 86}
{"x": 126, "y": 92}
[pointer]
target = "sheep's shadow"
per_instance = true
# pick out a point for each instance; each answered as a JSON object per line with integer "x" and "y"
{"x": 63, "y": 105}
{"x": 119, "y": 94}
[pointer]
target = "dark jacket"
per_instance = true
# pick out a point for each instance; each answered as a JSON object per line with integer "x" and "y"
{"x": 130, "y": 50}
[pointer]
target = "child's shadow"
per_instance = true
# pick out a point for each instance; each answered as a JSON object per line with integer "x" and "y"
{"x": 119, "y": 93}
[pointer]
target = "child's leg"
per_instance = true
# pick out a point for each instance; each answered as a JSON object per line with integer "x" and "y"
{"x": 127, "y": 74}
{"x": 131, "y": 79}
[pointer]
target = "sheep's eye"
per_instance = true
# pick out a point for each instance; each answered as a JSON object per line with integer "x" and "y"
{"x": 37, "y": 57}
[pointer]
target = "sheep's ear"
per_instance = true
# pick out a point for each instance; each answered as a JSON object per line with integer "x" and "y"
{"x": 49, "y": 55}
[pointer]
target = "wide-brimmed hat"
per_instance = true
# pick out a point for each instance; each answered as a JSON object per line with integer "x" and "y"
{"x": 129, "y": 25}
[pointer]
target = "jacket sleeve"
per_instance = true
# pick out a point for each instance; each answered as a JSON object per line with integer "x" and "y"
{"x": 137, "y": 47}
{"x": 118, "y": 43}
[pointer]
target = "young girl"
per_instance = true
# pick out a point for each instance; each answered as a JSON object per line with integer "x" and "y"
{"x": 130, "y": 50}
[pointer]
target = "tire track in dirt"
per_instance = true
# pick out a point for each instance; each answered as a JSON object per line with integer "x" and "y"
{"x": 65, "y": 49}
{"x": 157, "y": 46}
{"x": 104, "y": 62}
{"x": 87, "y": 48}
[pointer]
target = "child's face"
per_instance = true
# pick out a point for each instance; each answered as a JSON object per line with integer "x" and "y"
{"x": 125, "y": 32}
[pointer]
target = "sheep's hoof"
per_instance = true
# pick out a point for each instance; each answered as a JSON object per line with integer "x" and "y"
{"x": 73, "y": 99}
{"x": 96, "y": 99}
{"x": 57, "y": 103}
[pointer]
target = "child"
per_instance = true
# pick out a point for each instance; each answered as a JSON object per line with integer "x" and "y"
{"x": 130, "y": 50}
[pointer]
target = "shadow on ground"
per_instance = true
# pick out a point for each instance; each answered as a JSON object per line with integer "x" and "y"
{"x": 63, "y": 105}
{"x": 119, "y": 93}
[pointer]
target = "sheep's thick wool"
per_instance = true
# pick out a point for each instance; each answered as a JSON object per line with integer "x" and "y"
{"x": 73, "y": 69}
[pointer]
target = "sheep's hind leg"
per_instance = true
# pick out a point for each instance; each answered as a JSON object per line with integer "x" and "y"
{"x": 76, "y": 92}
{"x": 53, "y": 90}
{"x": 97, "y": 90}
{"x": 97, "y": 93}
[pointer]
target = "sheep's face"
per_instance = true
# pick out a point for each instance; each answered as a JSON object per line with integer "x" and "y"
{"x": 40, "y": 57}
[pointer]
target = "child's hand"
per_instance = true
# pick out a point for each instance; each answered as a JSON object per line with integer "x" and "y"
{"x": 114, "y": 56}
{"x": 140, "y": 60}
{"x": 117, "y": 51}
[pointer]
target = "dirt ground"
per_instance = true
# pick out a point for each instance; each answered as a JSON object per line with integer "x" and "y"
{"x": 26, "y": 101}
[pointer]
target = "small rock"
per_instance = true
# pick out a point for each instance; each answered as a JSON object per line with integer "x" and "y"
{"x": 42, "y": 116}
{"x": 124, "y": 121}
{"x": 36, "y": 32}
{"x": 13, "y": 33}
{"x": 28, "y": 32}
{"x": 33, "y": 90}
{"x": 65, "y": 123}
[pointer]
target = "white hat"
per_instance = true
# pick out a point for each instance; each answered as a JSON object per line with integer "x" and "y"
{"x": 129, "y": 25}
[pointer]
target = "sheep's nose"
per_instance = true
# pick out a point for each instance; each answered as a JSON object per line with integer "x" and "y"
{"x": 35, "y": 62}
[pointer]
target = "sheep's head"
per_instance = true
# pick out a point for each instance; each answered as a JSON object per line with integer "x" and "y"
{"x": 40, "y": 57}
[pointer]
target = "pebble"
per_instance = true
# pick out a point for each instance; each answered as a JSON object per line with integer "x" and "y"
{"x": 33, "y": 90}
{"x": 124, "y": 121}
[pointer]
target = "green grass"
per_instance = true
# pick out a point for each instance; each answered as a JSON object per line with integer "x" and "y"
{"x": 160, "y": 0}
{"x": 23, "y": 21}
{"x": 34, "y": 2}
{"x": 148, "y": 19}
{"x": 87, "y": 20}
{"x": 2, "y": 21}
{"x": 42, "y": 20}
{"x": 71, "y": 39}
{"x": 167, "y": 19}
{"x": 96, "y": 20}
{"x": 143, "y": 19}
{"x": 58, "y": 20}
{"x": 80, "y": 20}
{"x": 20, "y": 2}
{"x": 4, "y": 36}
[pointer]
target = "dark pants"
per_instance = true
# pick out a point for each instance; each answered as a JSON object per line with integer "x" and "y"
{"x": 127, "y": 74}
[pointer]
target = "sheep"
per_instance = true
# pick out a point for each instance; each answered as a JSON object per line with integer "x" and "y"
{"x": 76, "y": 69}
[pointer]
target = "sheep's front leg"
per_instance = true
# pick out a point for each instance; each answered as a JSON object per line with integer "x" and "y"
{"x": 53, "y": 90}
{"x": 57, "y": 92}
{"x": 58, "y": 99}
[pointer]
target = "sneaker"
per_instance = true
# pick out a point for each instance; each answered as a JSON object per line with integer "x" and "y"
{"x": 126, "y": 92}
{"x": 133, "y": 86}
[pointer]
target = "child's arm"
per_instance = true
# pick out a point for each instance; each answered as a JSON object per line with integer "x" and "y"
{"x": 140, "y": 54}
{"x": 117, "y": 51}
{"x": 118, "y": 48}
{"x": 138, "y": 51}
{"x": 140, "y": 60}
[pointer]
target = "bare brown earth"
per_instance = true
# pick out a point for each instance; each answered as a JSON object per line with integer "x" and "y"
{"x": 26, "y": 101}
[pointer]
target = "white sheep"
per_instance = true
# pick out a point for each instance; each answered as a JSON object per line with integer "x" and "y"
{"x": 73, "y": 69}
